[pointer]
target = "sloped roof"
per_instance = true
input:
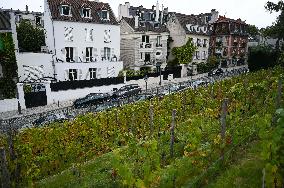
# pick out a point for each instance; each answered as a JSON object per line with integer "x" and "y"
{"x": 185, "y": 20}
{"x": 4, "y": 21}
{"x": 76, "y": 7}
{"x": 225, "y": 19}
{"x": 148, "y": 26}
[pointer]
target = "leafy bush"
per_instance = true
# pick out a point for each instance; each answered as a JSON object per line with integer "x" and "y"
{"x": 262, "y": 57}
{"x": 205, "y": 67}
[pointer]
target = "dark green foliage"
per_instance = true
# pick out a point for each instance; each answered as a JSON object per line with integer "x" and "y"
{"x": 262, "y": 57}
{"x": 205, "y": 67}
{"x": 184, "y": 53}
{"x": 253, "y": 31}
{"x": 173, "y": 63}
{"x": 30, "y": 38}
{"x": 9, "y": 66}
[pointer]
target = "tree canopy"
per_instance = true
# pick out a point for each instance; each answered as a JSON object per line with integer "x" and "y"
{"x": 184, "y": 53}
{"x": 30, "y": 38}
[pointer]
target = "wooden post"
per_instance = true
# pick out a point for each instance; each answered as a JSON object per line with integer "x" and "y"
{"x": 223, "y": 124}
{"x": 157, "y": 91}
{"x": 263, "y": 178}
{"x": 172, "y": 133}
{"x": 151, "y": 120}
{"x": 279, "y": 93}
{"x": 5, "y": 176}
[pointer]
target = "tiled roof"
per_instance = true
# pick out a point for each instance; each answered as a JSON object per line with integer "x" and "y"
{"x": 4, "y": 21}
{"x": 185, "y": 20}
{"x": 148, "y": 26}
{"x": 76, "y": 7}
{"x": 225, "y": 19}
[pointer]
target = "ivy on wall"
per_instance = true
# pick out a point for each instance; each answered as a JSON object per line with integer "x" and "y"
{"x": 9, "y": 66}
{"x": 184, "y": 53}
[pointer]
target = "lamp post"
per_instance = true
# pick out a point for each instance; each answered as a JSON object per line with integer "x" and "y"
{"x": 146, "y": 81}
{"x": 158, "y": 65}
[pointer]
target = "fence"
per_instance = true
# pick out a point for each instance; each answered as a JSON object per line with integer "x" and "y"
{"x": 80, "y": 84}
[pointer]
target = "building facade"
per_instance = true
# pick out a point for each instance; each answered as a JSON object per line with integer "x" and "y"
{"x": 229, "y": 41}
{"x": 143, "y": 37}
{"x": 197, "y": 27}
{"x": 84, "y": 38}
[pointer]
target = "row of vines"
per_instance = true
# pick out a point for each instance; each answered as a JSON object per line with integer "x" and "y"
{"x": 147, "y": 151}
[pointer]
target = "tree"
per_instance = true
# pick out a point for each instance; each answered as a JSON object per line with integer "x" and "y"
{"x": 253, "y": 31}
{"x": 30, "y": 38}
{"x": 262, "y": 57}
{"x": 184, "y": 53}
{"x": 277, "y": 29}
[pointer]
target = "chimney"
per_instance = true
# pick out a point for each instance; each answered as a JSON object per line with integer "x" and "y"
{"x": 153, "y": 7}
{"x": 27, "y": 8}
{"x": 136, "y": 21}
{"x": 157, "y": 12}
{"x": 162, "y": 14}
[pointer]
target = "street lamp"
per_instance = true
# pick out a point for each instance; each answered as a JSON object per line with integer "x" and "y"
{"x": 146, "y": 81}
{"x": 158, "y": 65}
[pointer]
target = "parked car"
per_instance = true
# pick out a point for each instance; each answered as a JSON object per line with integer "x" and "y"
{"x": 216, "y": 72}
{"x": 50, "y": 119}
{"x": 91, "y": 99}
{"x": 127, "y": 90}
{"x": 143, "y": 96}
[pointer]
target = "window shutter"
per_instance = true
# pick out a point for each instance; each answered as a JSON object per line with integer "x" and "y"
{"x": 84, "y": 55}
{"x": 80, "y": 74}
{"x": 63, "y": 56}
{"x": 66, "y": 74}
{"x": 102, "y": 52}
{"x": 99, "y": 73}
{"x": 88, "y": 75}
{"x": 112, "y": 52}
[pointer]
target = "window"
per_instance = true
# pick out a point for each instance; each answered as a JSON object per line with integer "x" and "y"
{"x": 93, "y": 73}
{"x": 205, "y": 43}
{"x": 86, "y": 13}
{"x": 107, "y": 53}
{"x": 197, "y": 54}
{"x": 107, "y": 36}
{"x": 68, "y": 34}
{"x": 73, "y": 74}
{"x": 159, "y": 41}
{"x": 38, "y": 20}
{"x": 89, "y": 54}
{"x": 89, "y": 35}
{"x": 145, "y": 38}
{"x": 204, "y": 55}
{"x": 198, "y": 42}
{"x": 65, "y": 10}
{"x": 69, "y": 54}
{"x": 141, "y": 55}
{"x": 104, "y": 15}
{"x": 147, "y": 57}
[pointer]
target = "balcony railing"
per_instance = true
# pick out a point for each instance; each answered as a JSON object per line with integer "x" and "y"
{"x": 145, "y": 45}
{"x": 159, "y": 45}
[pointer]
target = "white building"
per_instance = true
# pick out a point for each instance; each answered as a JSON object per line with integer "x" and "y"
{"x": 143, "y": 37}
{"x": 84, "y": 38}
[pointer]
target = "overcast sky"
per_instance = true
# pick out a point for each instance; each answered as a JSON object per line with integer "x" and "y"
{"x": 252, "y": 11}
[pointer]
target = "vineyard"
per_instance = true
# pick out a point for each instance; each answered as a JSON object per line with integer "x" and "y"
{"x": 182, "y": 139}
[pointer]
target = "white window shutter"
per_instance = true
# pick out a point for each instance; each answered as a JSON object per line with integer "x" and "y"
{"x": 88, "y": 75}
{"x": 84, "y": 55}
{"x": 66, "y": 74}
{"x": 80, "y": 74}
{"x": 112, "y": 52}
{"x": 102, "y": 52}
{"x": 63, "y": 56}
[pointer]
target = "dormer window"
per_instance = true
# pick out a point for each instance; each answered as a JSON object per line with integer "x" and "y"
{"x": 105, "y": 15}
{"x": 86, "y": 13}
{"x": 65, "y": 10}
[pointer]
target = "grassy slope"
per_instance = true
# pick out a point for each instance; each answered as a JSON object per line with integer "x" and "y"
{"x": 245, "y": 173}
{"x": 95, "y": 173}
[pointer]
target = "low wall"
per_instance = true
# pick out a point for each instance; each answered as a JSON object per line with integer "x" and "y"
{"x": 8, "y": 105}
{"x": 78, "y": 93}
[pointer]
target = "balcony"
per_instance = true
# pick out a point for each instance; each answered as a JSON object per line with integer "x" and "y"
{"x": 159, "y": 45}
{"x": 145, "y": 45}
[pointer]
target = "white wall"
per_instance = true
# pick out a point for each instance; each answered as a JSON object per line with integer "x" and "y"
{"x": 104, "y": 69}
{"x": 34, "y": 59}
{"x": 49, "y": 37}
{"x": 8, "y": 105}
{"x": 79, "y": 93}
{"x": 79, "y": 38}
